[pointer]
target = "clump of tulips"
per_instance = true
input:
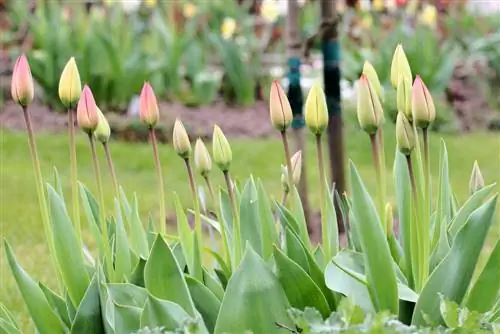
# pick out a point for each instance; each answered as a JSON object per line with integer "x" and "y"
{"x": 268, "y": 276}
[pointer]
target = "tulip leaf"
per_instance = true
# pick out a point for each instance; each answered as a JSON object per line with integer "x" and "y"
{"x": 44, "y": 318}
{"x": 139, "y": 240}
{"x": 58, "y": 304}
{"x": 453, "y": 275}
{"x": 287, "y": 219}
{"x": 254, "y": 299}
{"x": 91, "y": 210}
{"x": 7, "y": 315}
{"x": 300, "y": 289}
{"x": 250, "y": 222}
{"x": 298, "y": 213}
{"x": 126, "y": 318}
{"x": 137, "y": 275}
{"x": 294, "y": 249}
{"x": 162, "y": 264}
{"x": 205, "y": 302}
{"x": 185, "y": 233}
{"x": 127, "y": 209}
{"x": 443, "y": 210}
{"x": 57, "y": 183}
{"x": 377, "y": 256}
{"x": 226, "y": 212}
{"x": 123, "y": 261}
{"x": 127, "y": 294}
{"x": 88, "y": 315}
{"x": 213, "y": 285}
{"x": 331, "y": 220}
{"x": 269, "y": 233}
{"x": 162, "y": 313}
{"x": 442, "y": 247}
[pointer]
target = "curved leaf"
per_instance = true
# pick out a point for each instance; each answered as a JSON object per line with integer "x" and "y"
{"x": 205, "y": 302}
{"x": 126, "y": 319}
{"x": 88, "y": 315}
{"x": 250, "y": 223}
{"x": 268, "y": 225}
{"x": 162, "y": 313}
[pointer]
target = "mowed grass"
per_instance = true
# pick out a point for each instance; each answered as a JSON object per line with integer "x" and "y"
{"x": 20, "y": 218}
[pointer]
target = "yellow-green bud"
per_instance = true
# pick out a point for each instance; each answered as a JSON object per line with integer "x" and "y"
{"x": 180, "y": 140}
{"x": 424, "y": 112}
{"x": 370, "y": 113}
{"x": 279, "y": 108}
{"x": 70, "y": 85}
{"x": 476, "y": 179}
{"x": 103, "y": 131}
{"x": 296, "y": 161}
{"x": 404, "y": 97}
{"x": 404, "y": 134}
{"x": 389, "y": 218}
{"x": 316, "y": 111}
{"x": 372, "y": 76}
{"x": 202, "y": 160}
{"x": 399, "y": 66}
{"x": 221, "y": 150}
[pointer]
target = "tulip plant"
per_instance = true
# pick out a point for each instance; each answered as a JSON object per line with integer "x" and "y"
{"x": 268, "y": 277}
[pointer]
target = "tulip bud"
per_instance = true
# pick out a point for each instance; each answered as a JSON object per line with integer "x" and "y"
{"x": 148, "y": 106}
{"x": 404, "y": 97}
{"x": 202, "y": 159}
{"x": 103, "y": 131}
{"x": 279, "y": 108}
{"x": 389, "y": 218}
{"x": 22, "y": 88}
{"x": 424, "y": 112}
{"x": 221, "y": 149}
{"x": 404, "y": 134}
{"x": 370, "y": 113}
{"x": 181, "y": 142}
{"x": 86, "y": 111}
{"x": 70, "y": 86}
{"x": 372, "y": 76}
{"x": 296, "y": 161}
{"x": 399, "y": 66}
{"x": 476, "y": 179}
{"x": 316, "y": 111}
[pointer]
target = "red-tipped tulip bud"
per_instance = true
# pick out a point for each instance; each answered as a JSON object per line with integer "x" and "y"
{"x": 316, "y": 110}
{"x": 202, "y": 160}
{"x": 399, "y": 66}
{"x": 370, "y": 113}
{"x": 404, "y": 134}
{"x": 22, "y": 88}
{"x": 372, "y": 76}
{"x": 476, "y": 179}
{"x": 70, "y": 85}
{"x": 404, "y": 97}
{"x": 279, "y": 108}
{"x": 148, "y": 108}
{"x": 86, "y": 111}
{"x": 181, "y": 142}
{"x": 221, "y": 150}
{"x": 424, "y": 112}
{"x": 103, "y": 131}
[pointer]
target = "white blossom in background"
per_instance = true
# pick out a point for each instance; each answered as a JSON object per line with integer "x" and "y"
{"x": 484, "y": 7}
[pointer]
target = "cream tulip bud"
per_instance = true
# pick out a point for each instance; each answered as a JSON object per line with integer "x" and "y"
{"x": 181, "y": 142}
{"x": 70, "y": 85}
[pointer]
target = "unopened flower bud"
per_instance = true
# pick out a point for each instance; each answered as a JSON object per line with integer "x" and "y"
{"x": 404, "y": 134}
{"x": 103, "y": 131}
{"x": 476, "y": 179}
{"x": 404, "y": 97}
{"x": 370, "y": 113}
{"x": 221, "y": 150}
{"x": 202, "y": 160}
{"x": 86, "y": 111}
{"x": 22, "y": 88}
{"x": 316, "y": 110}
{"x": 279, "y": 108}
{"x": 399, "y": 66}
{"x": 372, "y": 76}
{"x": 70, "y": 85}
{"x": 181, "y": 142}
{"x": 296, "y": 161}
{"x": 389, "y": 218}
{"x": 424, "y": 112}
{"x": 148, "y": 106}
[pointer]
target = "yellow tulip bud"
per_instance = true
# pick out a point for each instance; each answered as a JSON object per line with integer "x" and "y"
{"x": 476, "y": 179}
{"x": 22, "y": 87}
{"x": 279, "y": 108}
{"x": 404, "y": 134}
{"x": 370, "y": 113}
{"x": 372, "y": 76}
{"x": 404, "y": 97}
{"x": 148, "y": 106}
{"x": 86, "y": 111}
{"x": 70, "y": 85}
{"x": 399, "y": 66}
{"x": 103, "y": 131}
{"x": 389, "y": 218}
{"x": 202, "y": 159}
{"x": 424, "y": 112}
{"x": 316, "y": 111}
{"x": 181, "y": 142}
{"x": 221, "y": 150}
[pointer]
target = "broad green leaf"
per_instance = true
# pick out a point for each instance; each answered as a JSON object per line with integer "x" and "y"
{"x": 300, "y": 289}
{"x": 127, "y": 294}
{"x": 126, "y": 318}
{"x": 44, "y": 318}
{"x": 223, "y": 265}
{"x": 443, "y": 210}
{"x": 452, "y": 276}
{"x": 88, "y": 315}
{"x": 294, "y": 249}
{"x": 250, "y": 216}
{"x": 68, "y": 249}
{"x": 91, "y": 210}
{"x": 58, "y": 304}
{"x": 127, "y": 209}
{"x": 162, "y": 273}
{"x": 442, "y": 247}
{"x": 185, "y": 233}
{"x": 123, "y": 261}
{"x": 378, "y": 261}
{"x": 137, "y": 275}
{"x": 298, "y": 213}
{"x": 449, "y": 312}
{"x": 197, "y": 267}
{"x": 226, "y": 211}
{"x": 331, "y": 220}
{"x": 213, "y": 285}
{"x": 139, "y": 241}
{"x": 483, "y": 294}
{"x": 223, "y": 278}
{"x": 269, "y": 233}
{"x": 179, "y": 255}
{"x": 287, "y": 219}
{"x": 254, "y": 299}
{"x": 205, "y": 302}
{"x": 162, "y": 313}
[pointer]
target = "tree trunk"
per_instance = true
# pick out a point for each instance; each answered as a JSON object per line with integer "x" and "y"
{"x": 331, "y": 76}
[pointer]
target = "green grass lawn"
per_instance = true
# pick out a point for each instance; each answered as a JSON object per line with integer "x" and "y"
{"x": 20, "y": 218}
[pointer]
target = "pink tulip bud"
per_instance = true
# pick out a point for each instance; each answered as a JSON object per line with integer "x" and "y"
{"x": 86, "y": 111}
{"x": 22, "y": 88}
{"x": 279, "y": 108}
{"x": 423, "y": 110}
{"x": 148, "y": 110}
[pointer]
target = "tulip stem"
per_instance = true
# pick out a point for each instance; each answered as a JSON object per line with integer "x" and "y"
{"x": 377, "y": 162}
{"x": 196, "y": 201}
{"x": 111, "y": 167}
{"x": 383, "y": 182}
{"x": 97, "y": 171}
{"x": 236, "y": 220}
{"x": 427, "y": 201}
{"x": 325, "y": 229}
{"x": 288, "y": 159}
{"x": 74, "y": 172}
{"x": 161, "y": 190}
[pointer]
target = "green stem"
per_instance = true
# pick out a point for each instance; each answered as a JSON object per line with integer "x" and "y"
{"x": 74, "y": 172}
{"x": 322, "y": 179}
{"x": 427, "y": 203}
{"x": 288, "y": 159}
{"x": 196, "y": 202}
{"x": 383, "y": 181}
{"x": 236, "y": 220}
{"x": 161, "y": 189}
{"x": 111, "y": 167}
{"x": 416, "y": 231}
{"x": 375, "y": 145}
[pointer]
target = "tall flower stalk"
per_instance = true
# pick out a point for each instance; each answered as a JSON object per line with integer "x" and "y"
{"x": 102, "y": 134}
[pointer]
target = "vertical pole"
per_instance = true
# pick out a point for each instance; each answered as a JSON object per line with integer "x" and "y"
{"x": 331, "y": 76}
